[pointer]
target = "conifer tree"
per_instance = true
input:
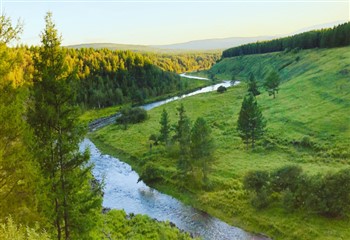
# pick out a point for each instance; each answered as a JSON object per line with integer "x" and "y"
{"x": 18, "y": 171}
{"x": 253, "y": 85}
{"x": 250, "y": 124}
{"x": 202, "y": 146}
{"x": 183, "y": 135}
{"x": 165, "y": 127}
{"x": 71, "y": 203}
{"x": 272, "y": 83}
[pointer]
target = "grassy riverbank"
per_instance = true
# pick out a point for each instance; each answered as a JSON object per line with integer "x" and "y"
{"x": 190, "y": 85}
{"x": 307, "y": 125}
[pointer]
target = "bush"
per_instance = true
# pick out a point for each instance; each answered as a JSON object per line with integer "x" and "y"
{"x": 132, "y": 115}
{"x": 256, "y": 180}
{"x": 150, "y": 173}
{"x": 286, "y": 178}
{"x": 221, "y": 89}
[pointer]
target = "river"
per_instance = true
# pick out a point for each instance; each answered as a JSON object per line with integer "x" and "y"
{"x": 122, "y": 191}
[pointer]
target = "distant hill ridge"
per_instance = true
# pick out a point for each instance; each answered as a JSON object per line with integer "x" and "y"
{"x": 216, "y": 44}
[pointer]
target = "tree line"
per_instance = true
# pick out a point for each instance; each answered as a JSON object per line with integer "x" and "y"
{"x": 105, "y": 78}
{"x": 337, "y": 36}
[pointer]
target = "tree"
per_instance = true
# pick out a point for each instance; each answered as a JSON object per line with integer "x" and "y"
{"x": 271, "y": 83}
{"x": 72, "y": 202}
{"x": 253, "y": 85}
{"x": 202, "y": 146}
{"x": 250, "y": 124}
{"x": 165, "y": 127}
{"x": 183, "y": 135}
{"x": 18, "y": 171}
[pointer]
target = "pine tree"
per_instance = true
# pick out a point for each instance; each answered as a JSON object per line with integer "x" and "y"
{"x": 202, "y": 146}
{"x": 253, "y": 86}
{"x": 18, "y": 171}
{"x": 165, "y": 127}
{"x": 183, "y": 132}
{"x": 271, "y": 84}
{"x": 71, "y": 203}
{"x": 250, "y": 124}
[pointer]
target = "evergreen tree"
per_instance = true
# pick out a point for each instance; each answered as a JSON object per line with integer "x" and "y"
{"x": 202, "y": 146}
{"x": 183, "y": 132}
{"x": 253, "y": 85}
{"x": 165, "y": 127}
{"x": 18, "y": 171}
{"x": 71, "y": 203}
{"x": 272, "y": 83}
{"x": 250, "y": 124}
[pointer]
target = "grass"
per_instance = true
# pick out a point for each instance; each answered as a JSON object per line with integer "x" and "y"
{"x": 92, "y": 114}
{"x": 308, "y": 124}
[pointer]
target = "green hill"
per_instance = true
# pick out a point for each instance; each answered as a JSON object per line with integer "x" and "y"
{"x": 308, "y": 124}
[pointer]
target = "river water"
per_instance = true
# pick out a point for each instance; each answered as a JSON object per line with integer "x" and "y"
{"x": 122, "y": 191}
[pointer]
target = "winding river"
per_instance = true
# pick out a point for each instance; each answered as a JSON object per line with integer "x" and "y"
{"x": 122, "y": 191}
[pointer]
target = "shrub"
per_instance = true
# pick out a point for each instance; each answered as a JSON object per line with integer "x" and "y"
{"x": 150, "y": 173}
{"x": 221, "y": 89}
{"x": 256, "y": 180}
{"x": 132, "y": 115}
{"x": 286, "y": 178}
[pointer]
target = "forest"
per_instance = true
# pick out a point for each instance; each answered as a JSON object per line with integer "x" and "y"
{"x": 337, "y": 36}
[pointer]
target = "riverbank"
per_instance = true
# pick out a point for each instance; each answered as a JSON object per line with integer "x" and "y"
{"x": 94, "y": 114}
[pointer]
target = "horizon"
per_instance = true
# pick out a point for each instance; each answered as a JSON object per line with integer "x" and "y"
{"x": 168, "y": 22}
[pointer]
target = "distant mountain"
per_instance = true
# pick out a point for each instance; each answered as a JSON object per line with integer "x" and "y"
{"x": 213, "y": 44}
{"x": 199, "y": 45}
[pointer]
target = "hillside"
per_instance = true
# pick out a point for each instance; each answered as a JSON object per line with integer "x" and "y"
{"x": 307, "y": 125}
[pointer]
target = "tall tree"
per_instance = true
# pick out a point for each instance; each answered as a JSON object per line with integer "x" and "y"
{"x": 272, "y": 83}
{"x": 183, "y": 135}
{"x": 18, "y": 172}
{"x": 202, "y": 146}
{"x": 253, "y": 85}
{"x": 71, "y": 201}
{"x": 250, "y": 124}
{"x": 165, "y": 127}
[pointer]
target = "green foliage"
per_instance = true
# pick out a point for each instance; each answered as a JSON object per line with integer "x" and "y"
{"x": 119, "y": 225}
{"x": 221, "y": 89}
{"x": 286, "y": 178}
{"x": 165, "y": 127}
{"x": 9, "y": 230}
{"x": 253, "y": 85}
{"x": 69, "y": 201}
{"x": 256, "y": 180}
{"x": 337, "y": 36}
{"x": 183, "y": 135}
{"x": 19, "y": 178}
{"x": 202, "y": 146}
{"x": 250, "y": 124}
{"x": 272, "y": 83}
{"x": 132, "y": 116}
{"x": 327, "y": 195}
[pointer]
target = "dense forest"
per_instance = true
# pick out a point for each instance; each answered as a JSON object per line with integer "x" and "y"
{"x": 338, "y": 36}
{"x": 105, "y": 77}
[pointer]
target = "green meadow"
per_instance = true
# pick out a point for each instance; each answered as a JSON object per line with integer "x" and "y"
{"x": 308, "y": 124}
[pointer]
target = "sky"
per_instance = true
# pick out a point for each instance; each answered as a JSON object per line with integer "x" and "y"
{"x": 157, "y": 22}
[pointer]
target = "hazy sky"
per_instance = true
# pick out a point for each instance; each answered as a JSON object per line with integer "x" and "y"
{"x": 166, "y": 21}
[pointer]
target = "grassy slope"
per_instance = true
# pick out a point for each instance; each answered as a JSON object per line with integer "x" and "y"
{"x": 314, "y": 101}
